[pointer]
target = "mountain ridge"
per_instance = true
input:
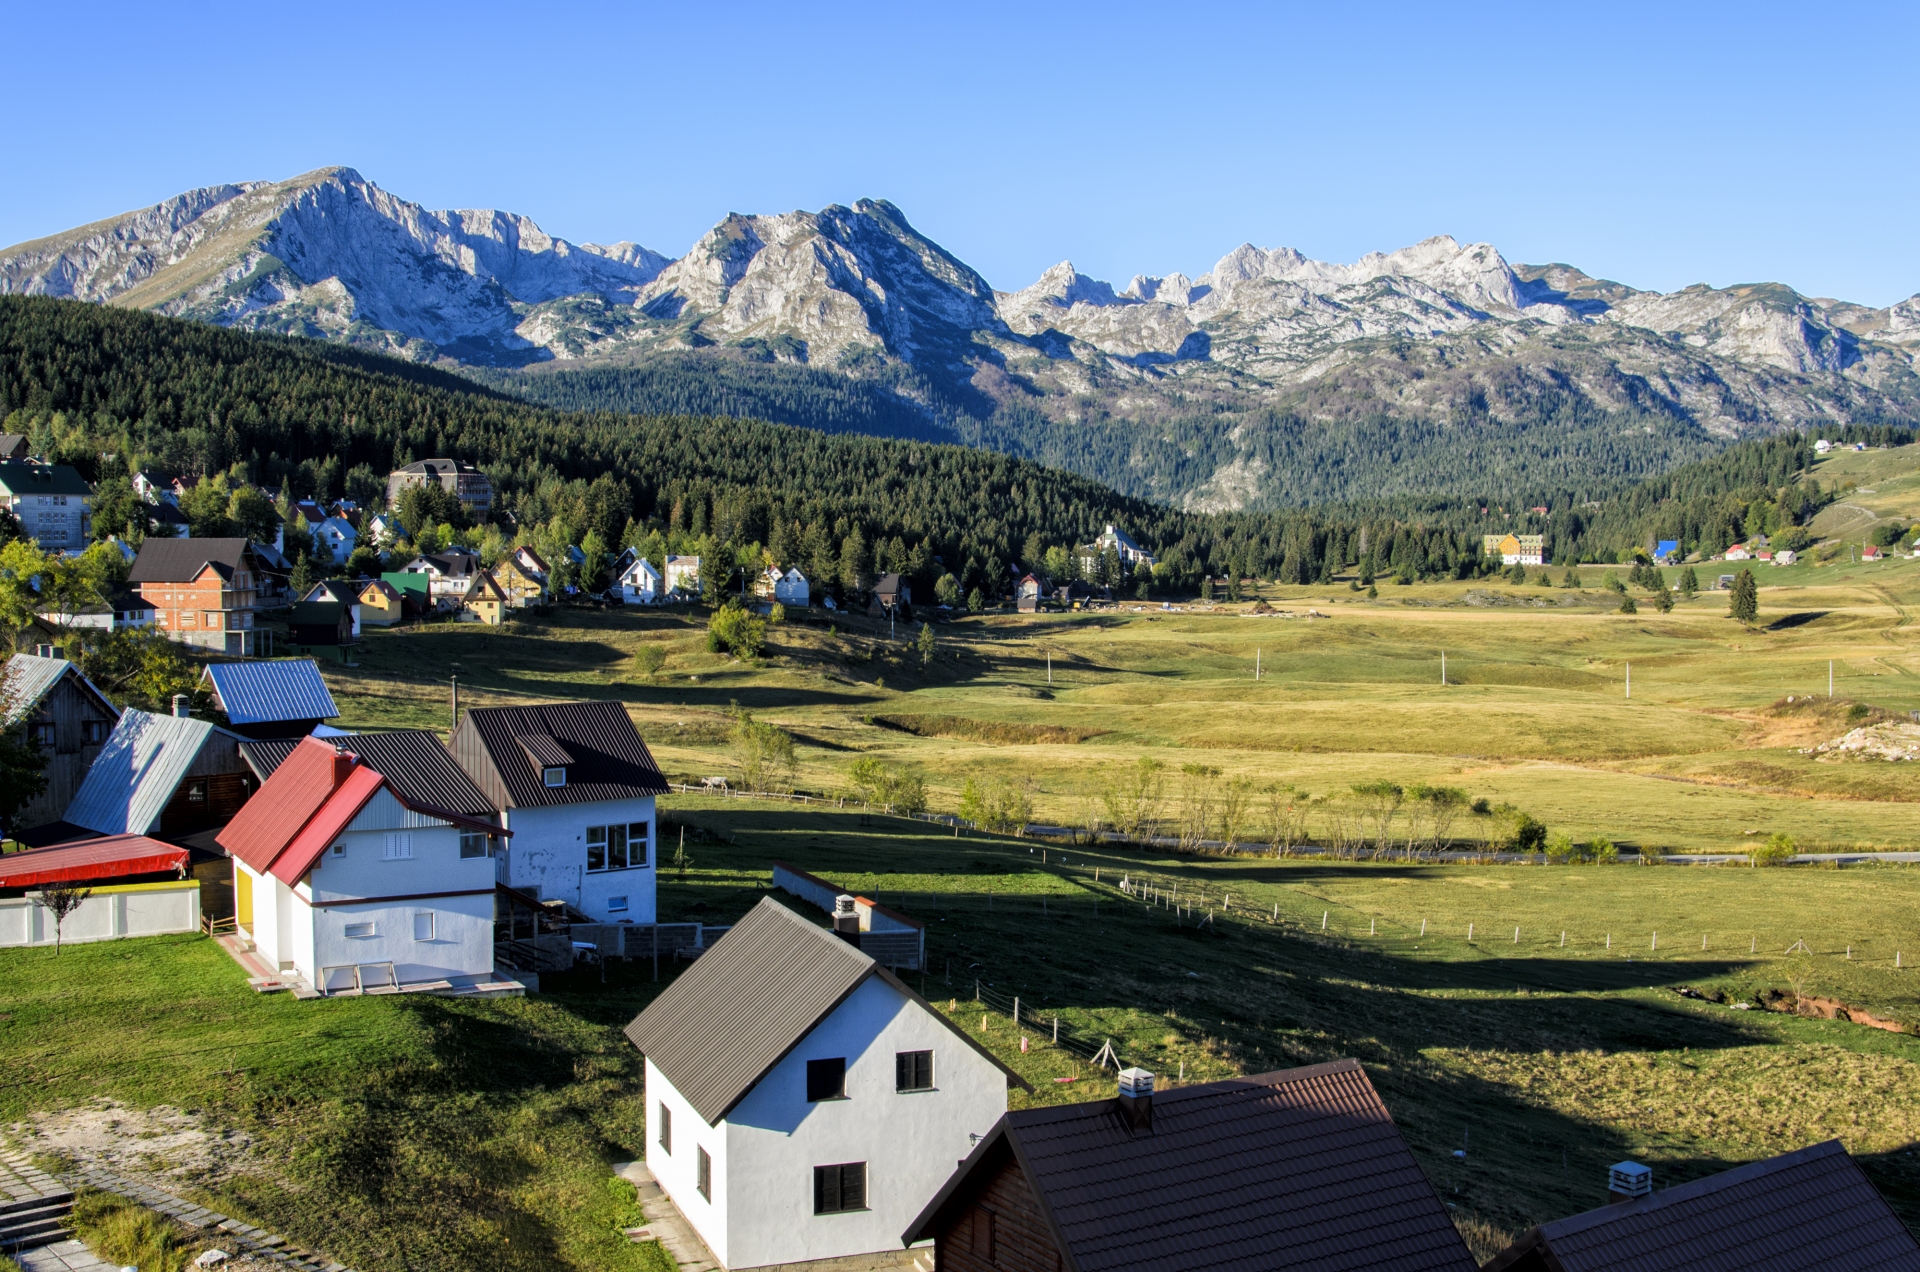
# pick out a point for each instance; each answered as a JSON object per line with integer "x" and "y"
{"x": 1190, "y": 391}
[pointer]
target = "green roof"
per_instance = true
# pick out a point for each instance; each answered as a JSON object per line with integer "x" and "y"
{"x": 42, "y": 479}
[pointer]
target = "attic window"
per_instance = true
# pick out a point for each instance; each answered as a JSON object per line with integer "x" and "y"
{"x": 555, "y": 775}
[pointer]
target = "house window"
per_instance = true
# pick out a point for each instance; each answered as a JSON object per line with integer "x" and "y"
{"x": 93, "y": 732}
{"x": 423, "y": 925}
{"x": 913, "y": 1071}
{"x": 359, "y": 931}
{"x": 339, "y": 850}
{"x": 703, "y": 1175}
{"x": 555, "y": 776}
{"x": 983, "y": 1233}
{"x": 618, "y": 847}
{"x": 616, "y": 905}
{"x": 666, "y": 1129}
{"x": 827, "y": 1079}
{"x": 41, "y": 734}
{"x": 837, "y": 1189}
{"x": 400, "y": 847}
{"x": 473, "y": 843}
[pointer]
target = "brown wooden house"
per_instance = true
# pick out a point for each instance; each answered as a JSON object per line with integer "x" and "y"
{"x": 167, "y": 776}
{"x": 66, "y": 715}
{"x": 1301, "y": 1169}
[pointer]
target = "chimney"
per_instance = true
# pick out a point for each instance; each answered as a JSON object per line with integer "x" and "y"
{"x": 180, "y": 701}
{"x": 1627, "y": 1181}
{"x": 343, "y": 762}
{"x": 846, "y": 919}
{"x": 1136, "y": 1098}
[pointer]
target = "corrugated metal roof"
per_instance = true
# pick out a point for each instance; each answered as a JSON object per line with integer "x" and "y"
{"x": 285, "y": 802}
{"x": 1812, "y": 1210}
{"x": 413, "y": 761}
{"x": 137, "y": 772}
{"x": 341, "y": 807}
{"x": 542, "y": 749}
{"x": 271, "y": 692}
{"x": 28, "y": 678}
{"x": 745, "y": 1003}
{"x": 115, "y": 856}
{"x": 181, "y": 560}
{"x": 609, "y": 759}
{"x": 1301, "y": 1169}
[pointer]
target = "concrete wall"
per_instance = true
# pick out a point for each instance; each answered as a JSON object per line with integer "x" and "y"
{"x": 677, "y": 1171}
{"x": 438, "y": 938}
{"x": 547, "y": 858}
{"x": 910, "y": 1141}
{"x": 112, "y": 912}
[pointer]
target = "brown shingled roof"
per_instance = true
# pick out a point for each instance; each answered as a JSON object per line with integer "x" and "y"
{"x": 1300, "y": 1169}
{"x": 1812, "y": 1210}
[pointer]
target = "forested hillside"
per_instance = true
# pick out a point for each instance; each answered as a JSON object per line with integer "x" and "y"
{"x": 325, "y": 420}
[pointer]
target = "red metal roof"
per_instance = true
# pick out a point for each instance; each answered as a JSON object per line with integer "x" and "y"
{"x": 343, "y": 806}
{"x": 285, "y": 803}
{"x": 113, "y": 857}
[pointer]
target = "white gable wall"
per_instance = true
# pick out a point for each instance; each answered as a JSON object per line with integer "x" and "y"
{"x": 764, "y": 1152}
{"x": 547, "y": 858}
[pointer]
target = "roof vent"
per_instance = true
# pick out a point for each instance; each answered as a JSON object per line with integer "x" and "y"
{"x": 846, "y": 918}
{"x": 1136, "y": 1097}
{"x": 1628, "y": 1180}
{"x": 180, "y": 706}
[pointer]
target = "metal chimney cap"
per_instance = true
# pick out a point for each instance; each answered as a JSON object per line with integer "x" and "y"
{"x": 1629, "y": 1179}
{"x": 1136, "y": 1082}
{"x": 843, "y": 904}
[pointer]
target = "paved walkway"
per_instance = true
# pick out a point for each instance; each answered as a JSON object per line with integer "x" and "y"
{"x": 242, "y": 1238}
{"x": 63, "y": 1256}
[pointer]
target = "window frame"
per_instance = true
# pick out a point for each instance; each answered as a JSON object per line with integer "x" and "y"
{"x": 830, "y": 1188}
{"x": 399, "y": 846}
{"x": 366, "y": 931}
{"x": 823, "y": 1067}
{"x": 432, "y": 925}
{"x": 547, "y": 775}
{"x": 611, "y": 848}
{"x": 913, "y": 1071}
{"x": 466, "y": 841}
{"x": 665, "y": 1138}
{"x": 703, "y": 1175}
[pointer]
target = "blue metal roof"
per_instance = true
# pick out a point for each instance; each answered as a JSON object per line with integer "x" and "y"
{"x": 269, "y": 692}
{"x": 137, "y": 772}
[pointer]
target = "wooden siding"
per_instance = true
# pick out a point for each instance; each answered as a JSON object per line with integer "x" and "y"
{"x": 1004, "y": 1230}
{"x": 200, "y": 803}
{"x": 69, "y": 707}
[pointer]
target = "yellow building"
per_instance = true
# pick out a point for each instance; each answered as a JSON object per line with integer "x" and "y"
{"x": 485, "y": 601}
{"x": 380, "y": 604}
{"x": 522, "y": 577}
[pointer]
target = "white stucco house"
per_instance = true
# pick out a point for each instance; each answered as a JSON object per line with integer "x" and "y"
{"x": 639, "y": 582}
{"x": 792, "y": 589}
{"x": 802, "y": 1102}
{"x": 344, "y": 879}
{"x": 338, "y": 536}
{"x": 683, "y": 574}
{"x": 575, "y": 784}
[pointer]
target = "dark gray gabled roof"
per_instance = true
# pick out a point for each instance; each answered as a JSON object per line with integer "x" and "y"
{"x": 749, "y": 1000}
{"x": 1812, "y": 1210}
{"x": 181, "y": 560}
{"x": 413, "y": 761}
{"x": 607, "y": 759}
{"x": 1300, "y": 1169}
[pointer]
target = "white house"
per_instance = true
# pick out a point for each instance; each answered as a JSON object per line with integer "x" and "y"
{"x": 802, "y": 1102}
{"x": 639, "y": 582}
{"x": 449, "y": 575}
{"x": 385, "y": 527}
{"x": 345, "y": 881}
{"x": 337, "y": 535}
{"x": 683, "y": 574}
{"x": 1823, "y": 447}
{"x": 792, "y": 589}
{"x": 575, "y": 783}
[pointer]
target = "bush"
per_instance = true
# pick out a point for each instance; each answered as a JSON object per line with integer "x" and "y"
{"x": 1560, "y": 847}
{"x": 1888, "y": 534}
{"x": 996, "y": 803}
{"x": 778, "y": 614}
{"x": 765, "y": 753}
{"x": 1600, "y": 849}
{"x": 1527, "y": 834}
{"x": 1777, "y": 851}
{"x": 648, "y": 660}
{"x": 733, "y": 630}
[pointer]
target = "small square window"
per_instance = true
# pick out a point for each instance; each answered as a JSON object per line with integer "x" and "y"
{"x": 703, "y": 1175}
{"x": 400, "y": 847}
{"x": 827, "y": 1079}
{"x": 837, "y": 1189}
{"x": 360, "y": 931}
{"x": 473, "y": 843}
{"x": 666, "y": 1129}
{"x": 423, "y": 925}
{"x": 42, "y": 734}
{"x": 913, "y": 1071}
{"x": 93, "y": 732}
{"x": 555, "y": 776}
{"x": 339, "y": 850}
{"x": 616, "y": 905}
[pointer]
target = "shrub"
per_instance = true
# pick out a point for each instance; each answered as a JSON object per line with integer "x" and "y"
{"x": 765, "y": 753}
{"x": 1560, "y": 848}
{"x": 996, "y": 803}
{"x": 1627, "y": 606}
{"x": 1600, "y": 849}
{"x": 777, "y": 614}
{"x": 648, "y": 660}
{"x": 1527, "y": 834}
{"x": 1777, "y": 851}
{"x": 733, "y": 630}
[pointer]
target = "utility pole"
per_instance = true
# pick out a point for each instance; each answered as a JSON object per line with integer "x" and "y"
{"x": 1829, "y": 678}
{"x": 1049, "y": 667}
{"x": 1629, "y": 680}
{"x": 456, "y": 698}
{"x": 1443, "y": 669}
{"x": 1256, "y": 662}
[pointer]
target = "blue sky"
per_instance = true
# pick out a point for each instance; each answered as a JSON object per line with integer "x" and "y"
{"x": 1660, "y": 144}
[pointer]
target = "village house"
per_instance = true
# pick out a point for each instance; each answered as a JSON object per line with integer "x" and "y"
{"x": 1302, "y": 1168}
{"x": 484, "y": 602}
{"x": 336, "y": 537}
{"x": 66, "y": 716}
{"x": 345, "y": 879}
{"x": 1868, "y": 552}
{"x": 13, "y": 448}
{"x": 53, "y": 503}
{"x": 204, "y": 592}
{"x": 793, "y": 589}
{"x": 1514, "y": 549}
{"x": 1823, "y": 447}
{"x": 134, "y": 886}
{"x": 380, "y": 603}
{"x": 416, "y": 595}
{"x": 891, "y": 595}
{"x": 384, "y": 528}
{"x": 1026, "y": 594}
{"x": 576, "y": 784}
{"x": 1132, "y": 555}
{"x": 803, "y": 1102}
{"x": 683, "y": 576}
{"x": 461, "y": 480}
{"x": 449, "y": 575}
{"x": 1813, "y": 1210}
{"x": 523, "y": 577}
{"x": 171, "y": 776}
{"x": 324, "y": 624}
{"x": 1785, "y": 556}
{"x": 121, "y": 610}
{"x": 285, "y": 698}
{"x": 638, "y": 582}
{"x": 766, "y": 582}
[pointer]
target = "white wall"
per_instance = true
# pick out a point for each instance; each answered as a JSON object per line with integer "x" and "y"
{"x": 547, "y": 858}
{"x": 458, "y": 941}
{"x": 911, "y": 1141}
{"x": 678, "y": 1172}
{"x": 112, "y": 912}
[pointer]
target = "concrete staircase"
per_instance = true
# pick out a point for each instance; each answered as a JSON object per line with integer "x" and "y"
{"x": 33, "y": 1205}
